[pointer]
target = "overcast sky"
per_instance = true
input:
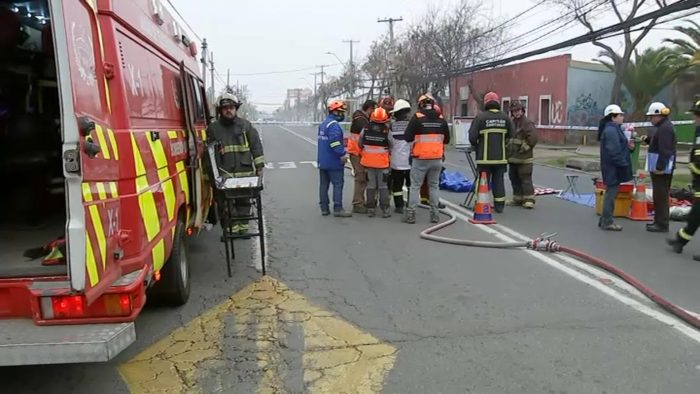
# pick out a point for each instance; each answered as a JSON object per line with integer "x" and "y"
{"x": 274, "y": 35}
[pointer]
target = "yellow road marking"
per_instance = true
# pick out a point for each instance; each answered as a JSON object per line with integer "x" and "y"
{"x": 337, "y": 356}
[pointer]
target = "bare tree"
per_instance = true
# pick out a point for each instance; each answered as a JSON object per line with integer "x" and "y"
{"x": 582, "y": 9}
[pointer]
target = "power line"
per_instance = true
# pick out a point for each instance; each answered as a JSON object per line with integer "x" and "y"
{"x": 585, "y": 38}
{"x": 184, "y": 20}
{"x": 283, "y": 71}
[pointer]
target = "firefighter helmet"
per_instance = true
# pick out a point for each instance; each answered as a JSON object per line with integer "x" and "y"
{"x": 425, "y": 98}
{"x": 379, "y": 115}
{"x": 658, "y": 109}
{"x": 517, "y": 105}
{"x": 491, "y": 97}
{"x": 337, "y": 105}
{"x": 612, "y": 109}
{"x": 227, "y": 99}
{"x": 401, "y": 105}
{"x": 695, "y": 109}
{"x": 387, "y": 103}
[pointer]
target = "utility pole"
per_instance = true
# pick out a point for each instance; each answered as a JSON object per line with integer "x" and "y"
{"x": 351, "y": 65}
{"x": 228, "y": 80}
{"x": 391, "y": 22}
{"x": 315, "y": 113}
{"x": 203, "y": 60}
{"x": 212, "y": 70}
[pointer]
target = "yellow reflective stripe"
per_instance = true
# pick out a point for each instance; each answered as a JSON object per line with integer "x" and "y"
{"x": 236, "y": 149}
{"x": 184, "y": 183}
{"x": 696, "y": 152}
{"x": 696, "y": 194}
{"x": 684, "y": 235}
{"x": 93, "y": 276}
{"x": 113, "y": 189}
{"x": 87, "y": 192}
{"x": 375, "y": 149}
{"x": 103, "y": 142}
{"x": 139, "y": 168}
{"x": 335, "y": 143}
{"x": 158, "y": 254}
{"x": 158, "y": 153}
{"x": 259, "y": 160}
{"x": 499, "y": 199}
{"x": 172, "y": 134}
{"x": 99, "y": 233}
{"x": 694, "y": 168}
{"x": 484, "y": 161}
{"x": 147, "y": 203}
{"x": 101, "y": 192}
{"x": 397, "y": 194}
{"x": 489, "y": 131}
{"x": 242, "y": 174}
{"x": 168, "y": 192}
{"x": 204, "y": 134}
{"x": 113, "y": 142}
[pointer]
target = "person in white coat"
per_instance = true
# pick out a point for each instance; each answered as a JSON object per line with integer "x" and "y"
{"x": 400, "y": 153}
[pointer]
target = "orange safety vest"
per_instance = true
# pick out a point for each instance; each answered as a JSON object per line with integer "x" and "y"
{"x": 353, "y": 147}
{"x": 374, "y": 156}
{"x": 428, "y": 146}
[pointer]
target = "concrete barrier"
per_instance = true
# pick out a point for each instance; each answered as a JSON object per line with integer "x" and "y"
{"x": 588, "y": 165}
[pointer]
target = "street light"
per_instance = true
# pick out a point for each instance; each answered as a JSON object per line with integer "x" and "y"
{"x": 336, "y": 56}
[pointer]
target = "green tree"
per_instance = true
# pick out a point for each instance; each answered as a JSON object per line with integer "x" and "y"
{"x": 648, "y": 73}
{"x": 689, "y": 47}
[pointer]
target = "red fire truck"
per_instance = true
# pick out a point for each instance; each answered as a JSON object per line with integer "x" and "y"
{"x": 102, "y": 122}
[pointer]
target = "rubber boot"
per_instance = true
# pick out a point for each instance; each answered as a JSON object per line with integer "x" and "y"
{"x": 398, "y": 203}
{"x": 371, "y": 212}
{"x": 677, "y": 243}
{"x": 386, "y": 213}
{"x": 410, "y": 216}
{"x": 361, "y": 209}
{"x": 528, "y": 205}
{"x": 434, "y": 217}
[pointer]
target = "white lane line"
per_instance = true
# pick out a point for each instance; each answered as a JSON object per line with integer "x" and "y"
{"x": 303, "y": 137}
{"x": 662, "y": 317}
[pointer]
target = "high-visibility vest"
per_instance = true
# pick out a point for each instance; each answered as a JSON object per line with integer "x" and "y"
{"x": 428, "y": 146}
{"x": 353, "y": 147}
{"x": 374, "y": 156}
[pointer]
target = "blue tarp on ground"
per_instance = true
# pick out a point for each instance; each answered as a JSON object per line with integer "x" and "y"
{"x": 455, "y": 182}
{"x": 587, "y": 199}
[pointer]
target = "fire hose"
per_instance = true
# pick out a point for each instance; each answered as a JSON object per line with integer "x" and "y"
{"x": 545, "y": 244}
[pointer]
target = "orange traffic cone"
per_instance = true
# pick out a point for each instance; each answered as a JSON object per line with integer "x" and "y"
{"x": 639, "y": 210}
{"x": 482, "y": 208}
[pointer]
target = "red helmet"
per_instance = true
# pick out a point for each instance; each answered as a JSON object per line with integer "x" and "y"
{"x": 491, "y": 96}
{"x": 379, "y": 115}
{"x": 337, "y": 105}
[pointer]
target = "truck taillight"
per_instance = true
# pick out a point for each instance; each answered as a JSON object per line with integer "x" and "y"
{"x": 64, "y": 307}
{"x": 74, "y": 306}
{"x": 117, "y": 304}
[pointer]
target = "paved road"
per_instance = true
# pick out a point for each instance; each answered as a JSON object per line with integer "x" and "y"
{"x": 364, "y": 305}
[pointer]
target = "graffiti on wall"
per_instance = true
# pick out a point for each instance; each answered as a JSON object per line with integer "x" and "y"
{"x": 583, "y": 112}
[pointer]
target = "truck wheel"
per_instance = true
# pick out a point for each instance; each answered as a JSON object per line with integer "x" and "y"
{"x": 174, "y": 286}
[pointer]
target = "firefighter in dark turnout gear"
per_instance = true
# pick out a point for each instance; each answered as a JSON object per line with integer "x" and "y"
{"x": 429, "y": 133}
{"x": 520, "y": 157}
{"x": 374, "y": 156}
{"x": 240, "y": 152}
{"x": 489, "y": 134}
{"x": 360, "y": 119}
{"x": 685, "y": 234}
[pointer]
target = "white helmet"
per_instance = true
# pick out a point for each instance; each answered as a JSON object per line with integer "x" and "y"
{"x": 612, "y": 109}
{"x": 228, "y": 99}
{"x": 658, "y": 109}
{"x": 401, "y": 104}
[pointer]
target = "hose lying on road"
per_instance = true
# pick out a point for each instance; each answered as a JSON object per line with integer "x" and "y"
{"x": 547, "y": 245}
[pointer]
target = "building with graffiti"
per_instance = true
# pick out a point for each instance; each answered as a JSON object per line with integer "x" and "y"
{"x": 556, "y": 91}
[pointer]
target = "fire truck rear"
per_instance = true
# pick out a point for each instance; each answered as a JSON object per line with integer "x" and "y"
{"x": 102, "y": 118}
